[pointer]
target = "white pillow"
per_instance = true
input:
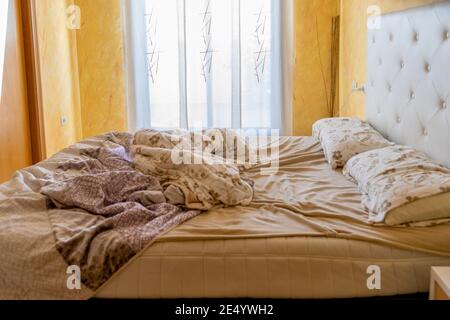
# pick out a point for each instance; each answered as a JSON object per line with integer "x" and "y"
{"x": 401, "y": 185}
{"x": 343, "y": 138}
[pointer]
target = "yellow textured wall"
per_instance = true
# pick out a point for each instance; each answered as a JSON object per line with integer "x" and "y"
{"x": 101, "y": 67}
{"x": 312, "y": 74}
{"x": 94, "y": 56}
{"x": 353, "y": 56}
{"x": 58, "y": 75}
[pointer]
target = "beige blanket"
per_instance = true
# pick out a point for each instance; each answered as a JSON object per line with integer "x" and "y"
{"x": 304, "y": 198}
{"x": 30, "y": 265}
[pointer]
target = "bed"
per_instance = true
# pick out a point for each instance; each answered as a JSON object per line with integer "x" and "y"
{"x": 268, "y": 250}
{"x": 305, "y": 233}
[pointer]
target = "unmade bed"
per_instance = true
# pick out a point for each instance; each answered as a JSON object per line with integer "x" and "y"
{"x": 303, "y": 236}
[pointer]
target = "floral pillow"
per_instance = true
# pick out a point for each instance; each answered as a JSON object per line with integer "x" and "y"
{"x": 401, "y": 185}
{"x": 343, "y": 138}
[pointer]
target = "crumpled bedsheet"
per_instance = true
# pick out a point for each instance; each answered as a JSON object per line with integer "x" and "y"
{"x": 206, "y": 179}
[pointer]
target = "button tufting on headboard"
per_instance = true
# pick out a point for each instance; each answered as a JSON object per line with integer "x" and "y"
{"x": 409, "y": 77}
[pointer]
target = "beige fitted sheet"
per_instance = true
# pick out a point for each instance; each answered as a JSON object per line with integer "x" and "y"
{"x": 306, "y": 198}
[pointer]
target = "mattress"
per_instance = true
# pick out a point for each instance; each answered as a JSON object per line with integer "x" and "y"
{"x": 278, "y": 267}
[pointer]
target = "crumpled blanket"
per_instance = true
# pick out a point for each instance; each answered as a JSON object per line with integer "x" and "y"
{"x": 127, "y": 210}
{"x": 195, "y": 168}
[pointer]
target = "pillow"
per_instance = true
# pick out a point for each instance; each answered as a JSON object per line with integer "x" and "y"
{"x": 342, "y": 138}
{"x": 401, "y": 185}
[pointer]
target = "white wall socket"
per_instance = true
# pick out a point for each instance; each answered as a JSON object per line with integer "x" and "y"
{"x": 63, "y": 120}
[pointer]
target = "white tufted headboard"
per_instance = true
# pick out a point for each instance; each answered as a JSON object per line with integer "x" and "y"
{"x": 408, "y": 84}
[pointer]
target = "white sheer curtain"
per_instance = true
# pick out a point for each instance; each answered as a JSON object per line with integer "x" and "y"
{"x": 209, "y": 63}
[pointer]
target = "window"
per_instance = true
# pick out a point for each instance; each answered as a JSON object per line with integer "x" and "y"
{"x": 206, "y": 63}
